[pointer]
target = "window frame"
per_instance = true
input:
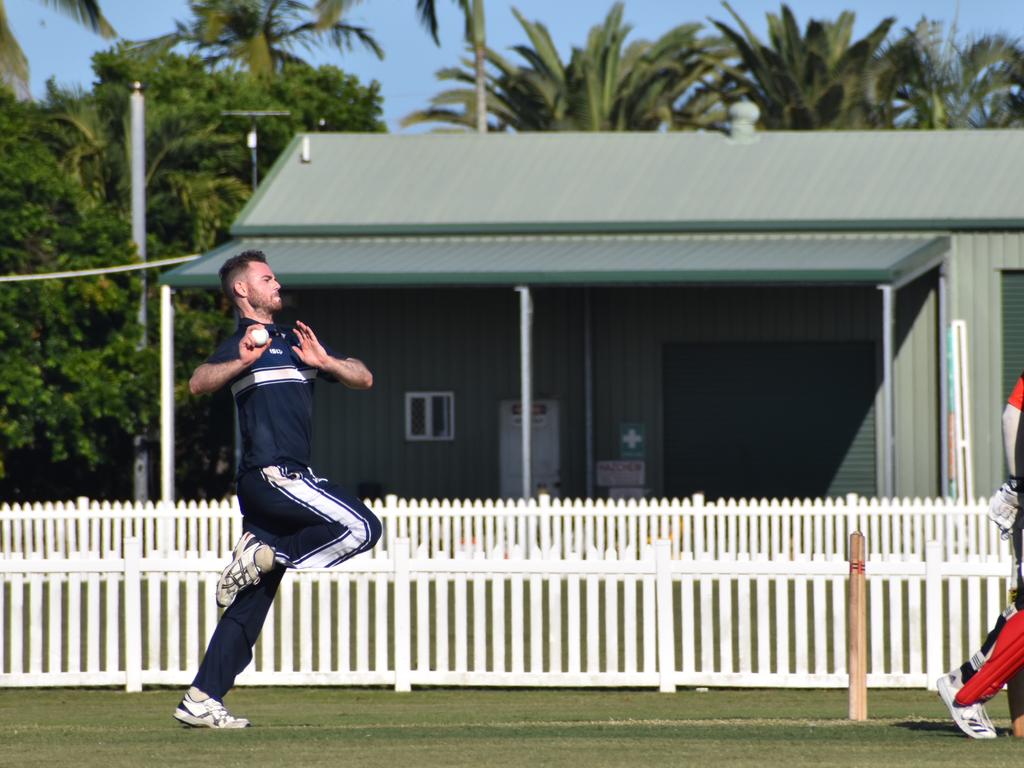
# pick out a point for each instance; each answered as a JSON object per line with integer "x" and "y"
{"x": 428, "y": 397}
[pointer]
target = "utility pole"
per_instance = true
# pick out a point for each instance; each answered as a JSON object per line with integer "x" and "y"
{"x": 138, "y": 177}
{"x": 252, "y": 140}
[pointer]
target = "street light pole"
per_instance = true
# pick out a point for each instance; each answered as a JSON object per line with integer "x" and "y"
{"x": 140, "y": 472}
{"x": 252, "y": 139}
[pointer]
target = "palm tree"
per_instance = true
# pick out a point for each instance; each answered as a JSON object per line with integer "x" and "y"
{"x": 804, "y": 81}
{"x": 607, "y": 85}
{"x": 426, "y": 10}
{"x": 14, "y": 65}
{"x": 261, "y": 35}
{"x": 476, "y": 34}
{"x": 926, "y": 80}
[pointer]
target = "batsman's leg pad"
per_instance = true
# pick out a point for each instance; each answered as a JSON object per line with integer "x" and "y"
{"x": 1006, "y": 660}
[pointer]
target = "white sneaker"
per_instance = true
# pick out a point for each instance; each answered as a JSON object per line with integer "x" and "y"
{"x": 241, "y": 572}
{"x": 208, "y": 713}
{"x": 972, "y": 719}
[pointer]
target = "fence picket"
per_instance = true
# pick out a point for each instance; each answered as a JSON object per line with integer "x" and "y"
{"x": 781, "y": 626}
{"x": 305, "y": 639}
{"x": 16, "y": 582}
{"x": 955, "y": 618}
{"x": 820, "y": 623}
{"x": 555, "y": 628}
{"x": 800, "y": 630}
{"x": 422, "y": 624}
{"x": 573, "y": 622}
{"x": 342, "y": 587}
{"x": 479, "y": 621}
{"x": 461, "y": 620}
{"x": 914, "y": 623}
{"x": 498, "y": 584}
{"x": 705, "y": 586}
{"x": 325, "y": 616}
{"x": 35, "y": 620}
{"x": 536, "y": 591}
{"x": 764, "y": 653}
{"x": 172, "y": 623}
{"x": 876, "y": 627}
{"x": 517, "y": 627}
{"x": 897, "y": 659}
{"x": 629, "y": 624}
{"x": 192, "y": 620}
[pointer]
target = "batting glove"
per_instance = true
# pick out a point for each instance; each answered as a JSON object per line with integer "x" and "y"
{"x": 1004, "y": 506}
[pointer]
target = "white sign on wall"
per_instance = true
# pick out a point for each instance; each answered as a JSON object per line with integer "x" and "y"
{"x": 621, "y": 472}
{"x": 546, "y": 449}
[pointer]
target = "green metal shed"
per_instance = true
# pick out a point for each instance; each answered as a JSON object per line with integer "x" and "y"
{"x": 744, "y": 317}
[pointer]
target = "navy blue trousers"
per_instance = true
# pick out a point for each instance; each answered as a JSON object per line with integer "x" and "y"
{"x": 311, "y": 523}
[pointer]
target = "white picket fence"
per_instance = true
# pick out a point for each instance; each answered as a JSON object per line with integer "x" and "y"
{"x": 754, "y": 529}
{"x": 510, "y": 619}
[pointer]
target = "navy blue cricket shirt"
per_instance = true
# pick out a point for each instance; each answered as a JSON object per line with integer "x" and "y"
{"x": 274, "y": 397}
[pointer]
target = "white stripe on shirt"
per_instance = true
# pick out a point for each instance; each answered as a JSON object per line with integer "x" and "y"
{"x": 273, "y": 376}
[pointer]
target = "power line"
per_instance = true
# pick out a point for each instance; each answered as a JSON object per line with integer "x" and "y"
{"x": 98, "y": 270}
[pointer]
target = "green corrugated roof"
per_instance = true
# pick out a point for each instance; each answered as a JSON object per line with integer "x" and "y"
{"x": 641, "y": 182}
{"x": 575, "y": 260}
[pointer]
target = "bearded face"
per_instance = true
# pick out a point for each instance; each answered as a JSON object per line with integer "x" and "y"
{"x": 262, "y": 289}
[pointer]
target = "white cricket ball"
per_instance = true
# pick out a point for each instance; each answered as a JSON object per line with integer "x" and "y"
{"x": 260, "y": 337}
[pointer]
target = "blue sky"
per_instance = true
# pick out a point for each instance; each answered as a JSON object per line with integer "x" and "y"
{"x": 57, "y": 47}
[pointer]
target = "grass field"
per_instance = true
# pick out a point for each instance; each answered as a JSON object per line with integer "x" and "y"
{"x": 427, "y": 728}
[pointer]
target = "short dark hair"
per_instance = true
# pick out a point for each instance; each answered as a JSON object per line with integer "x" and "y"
{"x": 231, "y": 268}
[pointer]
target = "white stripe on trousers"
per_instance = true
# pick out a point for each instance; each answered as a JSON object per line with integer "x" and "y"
{"x": 300, "y": 490}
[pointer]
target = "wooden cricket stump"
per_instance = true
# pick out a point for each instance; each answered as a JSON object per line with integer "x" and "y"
{"x": 1015, "y": 697}
{"x": 857, "y": 656}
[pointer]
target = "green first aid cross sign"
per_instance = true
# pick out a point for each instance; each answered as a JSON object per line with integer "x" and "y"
{"x": 632, "y": 444}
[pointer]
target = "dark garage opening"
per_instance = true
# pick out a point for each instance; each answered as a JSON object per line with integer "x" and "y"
{"x": 767, "y": 419}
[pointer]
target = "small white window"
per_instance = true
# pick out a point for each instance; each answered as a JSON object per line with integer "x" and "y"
{"x": 429, "y": 416}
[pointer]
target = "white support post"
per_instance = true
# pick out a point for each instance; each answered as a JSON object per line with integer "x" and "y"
{"x": 166, "y": 394}
{"x": 936, "y": 629}
{"x": 132, "y": 615}
{"x": 526, "y": 384}
{"x": 138, "y": 199}
{"x": 403, "y": 625}
{"x": 588, "y": 392}
{"x": 962, "y": 412}
{"x": 888, "y": 391}
{"x": 665, "y": 617}
{"x": 944, "y": 383}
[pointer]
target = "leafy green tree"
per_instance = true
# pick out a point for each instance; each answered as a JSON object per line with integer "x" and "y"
{"x": 198, "y": 167}
{"x": 260, "y": 36}
{"x": 804, "y": 81}
{"x": 928, "y": 79}
{"x": 74, "y": 388}
{"x": 198, "y": 171}
{"x": 606, "y": 85}
{"x": 14, "y": 65}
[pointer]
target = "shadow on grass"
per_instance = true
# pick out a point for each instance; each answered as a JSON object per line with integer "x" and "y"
{"x": 930, "y": 726}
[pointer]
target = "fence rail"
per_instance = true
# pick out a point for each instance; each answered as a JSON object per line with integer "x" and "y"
{"x": 516, "y": 620}
{"x": 555, "y": 528}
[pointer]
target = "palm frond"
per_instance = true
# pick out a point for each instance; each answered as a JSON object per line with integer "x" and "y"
{"x": 85, "y": 12}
